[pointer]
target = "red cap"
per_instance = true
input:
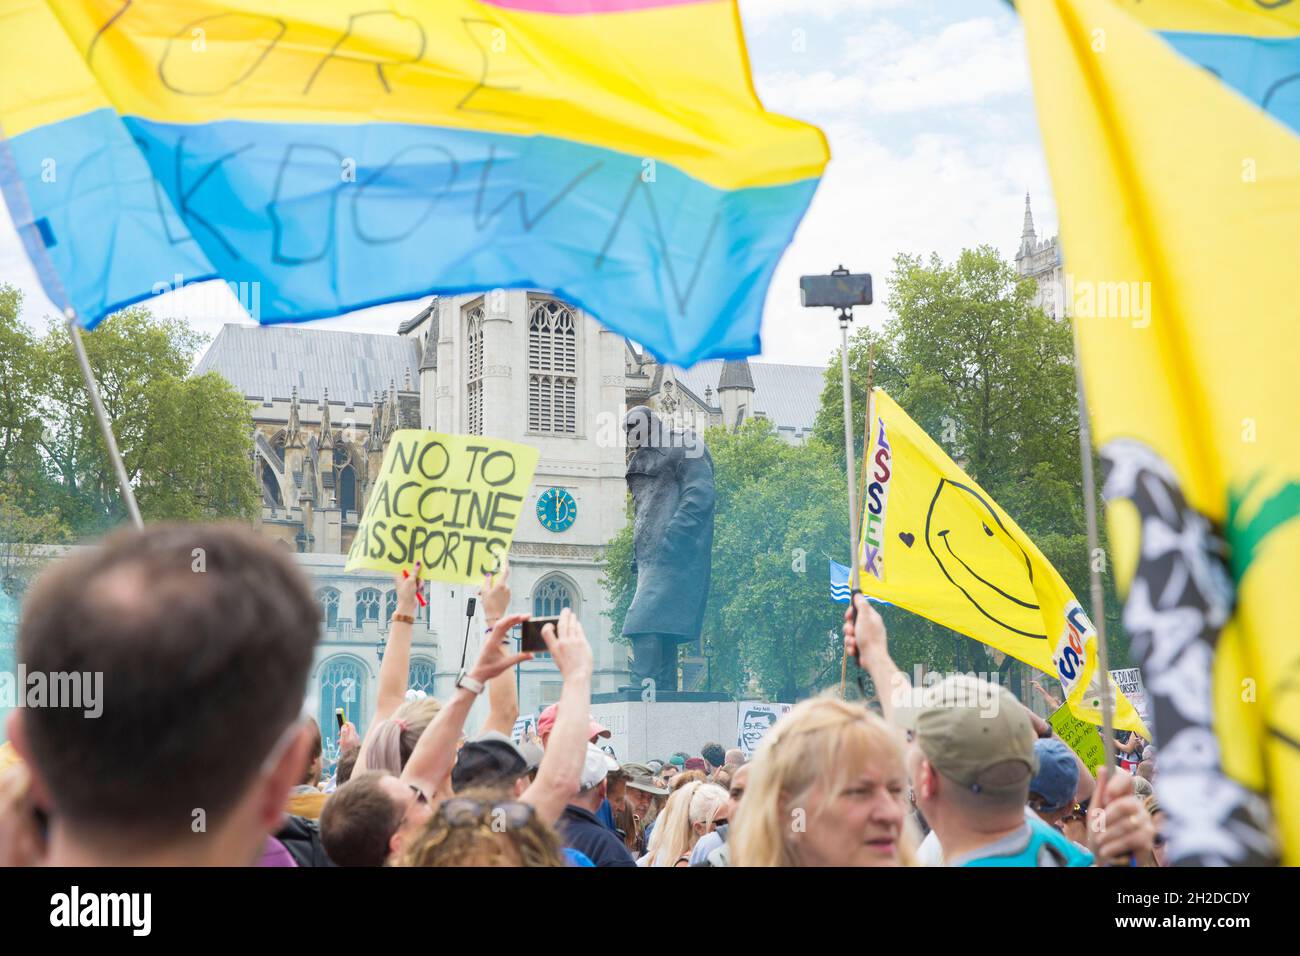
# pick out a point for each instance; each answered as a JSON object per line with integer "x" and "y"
{"x": 546, "y": 722}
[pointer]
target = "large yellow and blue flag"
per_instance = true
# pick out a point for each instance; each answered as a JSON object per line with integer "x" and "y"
{"x": 334, "y": 154}
{"x": 1172, "y": 131}
{"x": 934, "y": 542}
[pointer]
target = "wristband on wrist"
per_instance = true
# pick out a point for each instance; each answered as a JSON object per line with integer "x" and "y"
{"x": 404, "y": 618}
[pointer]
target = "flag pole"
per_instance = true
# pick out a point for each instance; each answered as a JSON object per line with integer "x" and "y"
{"x": 1098, "y": 599}
{"x": 96, "y": 403}
{"x": 856, "y": 531}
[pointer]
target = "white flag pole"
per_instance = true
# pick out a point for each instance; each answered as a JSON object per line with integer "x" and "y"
{"x": 96, "y": 403}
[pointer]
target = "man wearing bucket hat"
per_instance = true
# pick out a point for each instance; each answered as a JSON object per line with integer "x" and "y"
{"x": 639, "y": 803}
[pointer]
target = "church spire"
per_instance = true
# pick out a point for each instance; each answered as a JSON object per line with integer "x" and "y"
{"x": 293, "y": 437}
{"x": 326, "y": 432}
{"x": 1028, "y": 238}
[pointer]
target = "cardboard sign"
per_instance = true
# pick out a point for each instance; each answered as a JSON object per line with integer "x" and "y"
{"x": 450, "y": 502}
{"x": 524, "y": 727}
{"x": 755, "y": 720}
{"x": 1129, "y": 680}
{"x": 1080, "y": 736}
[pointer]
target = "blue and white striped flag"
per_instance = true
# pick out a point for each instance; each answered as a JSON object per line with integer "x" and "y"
{"x": 840, "y": 585}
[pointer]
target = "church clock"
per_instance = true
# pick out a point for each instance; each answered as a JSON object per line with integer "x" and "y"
{"x": 556, "y": 509}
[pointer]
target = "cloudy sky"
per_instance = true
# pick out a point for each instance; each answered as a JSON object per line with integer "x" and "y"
{"x": 934, "y": 143}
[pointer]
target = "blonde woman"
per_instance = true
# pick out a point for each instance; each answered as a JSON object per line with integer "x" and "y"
{"x": 827, "y": 788}
{"x": 685, "y": 818}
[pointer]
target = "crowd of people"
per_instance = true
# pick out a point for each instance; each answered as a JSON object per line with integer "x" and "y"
{"x": 203, "y": 756}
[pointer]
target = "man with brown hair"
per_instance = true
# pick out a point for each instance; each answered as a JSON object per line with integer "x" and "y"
{"x": 204, "y": 636}
{"x": 362, "y": 820}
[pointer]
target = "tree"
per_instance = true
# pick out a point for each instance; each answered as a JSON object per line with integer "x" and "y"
{"x": 991, "y": 378}
{"x": 184, "y": 441}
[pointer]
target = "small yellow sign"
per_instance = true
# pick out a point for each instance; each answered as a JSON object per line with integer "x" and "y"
{"x": 1080, "y": 736}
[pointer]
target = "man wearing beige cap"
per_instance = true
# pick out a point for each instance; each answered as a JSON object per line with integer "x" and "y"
{"x": 971, "y": 758}
{"x": 970, "y": 769}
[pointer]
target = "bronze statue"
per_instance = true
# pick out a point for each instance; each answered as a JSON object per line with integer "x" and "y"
{"x": 670, "y": 476}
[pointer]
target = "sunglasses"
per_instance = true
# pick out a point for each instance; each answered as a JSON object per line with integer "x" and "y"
{"x": 499, "y": 815}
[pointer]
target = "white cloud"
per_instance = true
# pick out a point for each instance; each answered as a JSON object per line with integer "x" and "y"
{"x": 968, "y": 62}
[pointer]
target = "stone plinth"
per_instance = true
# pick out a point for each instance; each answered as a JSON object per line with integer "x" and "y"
{"x": 685, "y": 722}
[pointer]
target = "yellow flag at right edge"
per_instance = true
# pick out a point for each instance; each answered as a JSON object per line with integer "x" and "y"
{"x": 1172, "y": 132}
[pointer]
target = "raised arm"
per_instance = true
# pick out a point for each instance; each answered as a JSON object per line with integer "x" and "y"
{"x": 435, "y": 751}
{"x": 1051, "y": 701}
{"x": 503, "y": 696}
{"x": 395, "y": 668}
{"x": 867, "y": 639}
{"x": 560, "y": 773}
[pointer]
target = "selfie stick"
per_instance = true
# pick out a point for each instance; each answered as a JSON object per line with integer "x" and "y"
{"x": 469, "y": 617}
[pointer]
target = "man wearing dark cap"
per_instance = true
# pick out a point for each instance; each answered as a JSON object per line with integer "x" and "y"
{"x": 491, "y": 760}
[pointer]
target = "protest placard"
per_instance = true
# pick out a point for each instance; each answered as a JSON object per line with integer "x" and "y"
{"x": 1129, "y": 680}
{"x": 755, "y": 720}
{"x": 1080, "y": 736}
{"x": 524, "y": 728}
{"x": 450, "y": 502}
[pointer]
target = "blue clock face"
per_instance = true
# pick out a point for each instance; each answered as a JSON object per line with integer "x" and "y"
{"x": 556, "y": 509}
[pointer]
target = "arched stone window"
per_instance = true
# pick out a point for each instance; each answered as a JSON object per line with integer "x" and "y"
{"x": 422, "y": 674}
{"x": 342, "y": 684}
{"x": 551, "y": 596}
{"x": 329, "y": 605}
{"x": 270, "y": 487}
{"x": 347, "y": 489}
{"x": 368, "y": 603}
{"x": 552, "y": 367}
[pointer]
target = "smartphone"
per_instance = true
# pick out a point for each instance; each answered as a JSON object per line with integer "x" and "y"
{"x": 532, "y": 639}
{"x": 340, "y": 717}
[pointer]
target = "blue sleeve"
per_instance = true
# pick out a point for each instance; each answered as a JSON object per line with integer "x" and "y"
{"x": 606, "y": 816}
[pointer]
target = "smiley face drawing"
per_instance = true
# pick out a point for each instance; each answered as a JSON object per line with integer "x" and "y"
{"x": 982, "y": 559}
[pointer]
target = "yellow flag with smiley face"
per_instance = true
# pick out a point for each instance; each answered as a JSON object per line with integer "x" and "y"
{"x": 935, "y": 543}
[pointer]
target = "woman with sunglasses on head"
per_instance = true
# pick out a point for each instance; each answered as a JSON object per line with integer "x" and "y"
{"x": 484, "y": 827}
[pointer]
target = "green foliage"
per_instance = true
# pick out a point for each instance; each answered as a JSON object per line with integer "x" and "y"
{"x": 184, "y": 441}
